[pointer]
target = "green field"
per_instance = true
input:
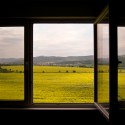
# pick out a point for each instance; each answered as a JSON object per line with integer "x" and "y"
{"x": 54, "y": 84}
{"x": 63, "y": 87}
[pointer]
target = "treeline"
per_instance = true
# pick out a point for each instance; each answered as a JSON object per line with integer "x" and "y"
{"x": 67, "y": 65}
{"x": 103, "y": 71}
{"x": 74, "y": 71}
{"x": 11, "y": 64}
{"x": 4, "y": 70}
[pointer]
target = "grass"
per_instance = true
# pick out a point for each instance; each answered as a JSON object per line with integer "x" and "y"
{"x": 63, "y": 88}
{"x": 11, "y": 86}
{"x": 121, "y": 86}
{"x": 56, "y": 85}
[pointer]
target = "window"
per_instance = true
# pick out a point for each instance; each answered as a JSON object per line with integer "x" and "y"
{"x": 121, "y": 65}
{"x": 103, "y": 63}
{"x": 63, "y": 63}
{"x": 11, "y": 63}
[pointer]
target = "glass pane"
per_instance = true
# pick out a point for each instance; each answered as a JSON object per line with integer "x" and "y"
{"x": 103, "y": 63}
{"x": 11, "y": 63}
{"x": 63, "y": 63}
{"x": 121, "y": 66}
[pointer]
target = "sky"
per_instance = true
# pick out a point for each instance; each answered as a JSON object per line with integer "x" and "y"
{"x": 103, "y": 40}
{"x": 62, "y": 40}
{"x": 121, "y": 40}
{"x": 58, "y": 40}
{"x": 11, "y": 42}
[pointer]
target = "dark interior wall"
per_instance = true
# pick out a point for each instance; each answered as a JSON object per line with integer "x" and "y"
{"x": 64, "y": 117}
{"x": 37, "y": 8}
{"x": 121, "y": 117}
{"x": 48, "y": 8}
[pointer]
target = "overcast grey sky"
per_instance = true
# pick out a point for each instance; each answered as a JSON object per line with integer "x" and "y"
{"x": 63, "y": 39}
{"x": 56, "y": 40}
{"x": 121, "y": 40}
{"x": 11, "y": 42}
{"x": 103, "y": 40}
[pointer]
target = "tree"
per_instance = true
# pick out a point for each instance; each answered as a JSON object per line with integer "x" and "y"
{"x": 67, "y": 71}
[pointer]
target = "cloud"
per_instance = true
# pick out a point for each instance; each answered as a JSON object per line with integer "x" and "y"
{"x": 103, "y": 40}
{"x": 11, "y": 42}
{"x": 63, "y": 39}
{"x": 121, "y": 40}
{"x": 48, "y": 40}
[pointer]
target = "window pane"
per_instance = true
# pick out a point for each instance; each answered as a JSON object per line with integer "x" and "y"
{"x": 11, "y": 63}
{"x": 103, "y": 63}
{"x": 121, "y": 66}
{"x": 63, "y": 63}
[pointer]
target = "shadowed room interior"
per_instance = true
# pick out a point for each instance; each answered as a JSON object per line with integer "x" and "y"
{"x": 26, "y": 13}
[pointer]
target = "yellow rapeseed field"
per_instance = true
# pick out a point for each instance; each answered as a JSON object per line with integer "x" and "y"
{"x": 54, "y": 84}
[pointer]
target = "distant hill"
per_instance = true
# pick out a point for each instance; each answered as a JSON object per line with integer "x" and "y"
{"x": 122, "y": 59}
{"x": 12, "y": 61}
{"x": 54, "y": 60}
{"x": 69, "y": 60}
{"x": 51, "y": 60}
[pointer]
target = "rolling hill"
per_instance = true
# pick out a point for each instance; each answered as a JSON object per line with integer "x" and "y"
{"x": 54, "y": 60}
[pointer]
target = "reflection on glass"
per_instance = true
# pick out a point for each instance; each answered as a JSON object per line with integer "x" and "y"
{"x": 121, "y": 66}
{"x": 63, "y": 63}
{"x": 11, "y": 63}
{"x": 103, "y": 63}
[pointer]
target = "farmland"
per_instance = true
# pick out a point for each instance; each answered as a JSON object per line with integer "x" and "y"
{"x": 54, "y": 84}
